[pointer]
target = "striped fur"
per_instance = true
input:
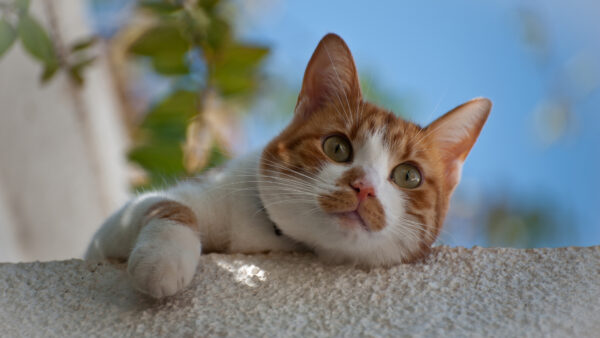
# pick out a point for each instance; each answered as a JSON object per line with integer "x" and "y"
{"x": 172, "y": 211}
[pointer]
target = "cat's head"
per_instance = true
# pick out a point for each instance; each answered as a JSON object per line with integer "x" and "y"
{"x": 354, "y": 181}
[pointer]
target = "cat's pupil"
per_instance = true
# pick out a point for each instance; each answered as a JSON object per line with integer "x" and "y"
{"x": 338, "y": 147}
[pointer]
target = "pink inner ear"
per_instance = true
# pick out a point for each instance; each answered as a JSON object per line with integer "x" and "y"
{"x": 453, "y": 173}
{"x": 455, "y": 134}
{"x": 330, "y": 76}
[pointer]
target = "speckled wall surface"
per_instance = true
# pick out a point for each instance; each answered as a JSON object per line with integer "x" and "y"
{"x": 456, "y": 292}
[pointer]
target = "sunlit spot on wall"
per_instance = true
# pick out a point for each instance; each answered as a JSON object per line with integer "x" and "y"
{"x": 247, "y": 274}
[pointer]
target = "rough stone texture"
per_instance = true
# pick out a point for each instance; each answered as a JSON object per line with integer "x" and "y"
{"x": 455, "y": 292}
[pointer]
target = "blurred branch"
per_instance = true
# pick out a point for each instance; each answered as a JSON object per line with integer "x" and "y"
{"x": 210, "y": 74}
{"x": 74, "y": 81}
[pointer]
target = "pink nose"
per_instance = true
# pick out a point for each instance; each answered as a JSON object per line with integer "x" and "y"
{"x": 363, "y": 189}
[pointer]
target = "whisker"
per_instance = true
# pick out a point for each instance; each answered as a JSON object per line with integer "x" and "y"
{"x": 293, "y": 200}
{"x": 280, "y": 166}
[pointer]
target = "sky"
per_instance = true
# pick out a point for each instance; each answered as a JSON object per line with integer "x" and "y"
{"x": 444, "y": 54}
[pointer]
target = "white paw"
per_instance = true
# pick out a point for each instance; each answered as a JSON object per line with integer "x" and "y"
{"x": 164, "y": 259}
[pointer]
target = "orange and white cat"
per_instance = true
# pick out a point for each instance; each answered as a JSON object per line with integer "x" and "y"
{"x": 346, "y": 179}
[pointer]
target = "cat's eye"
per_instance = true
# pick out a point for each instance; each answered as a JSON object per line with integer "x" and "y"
{"x": 406, "y": 176}
{"x": 338, "y": 148}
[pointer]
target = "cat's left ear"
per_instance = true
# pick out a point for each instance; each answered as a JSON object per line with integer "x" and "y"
{"x": 330, "y": 77}
{"x": 455, "y": 133}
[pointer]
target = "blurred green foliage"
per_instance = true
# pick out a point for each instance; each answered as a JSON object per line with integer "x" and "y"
{"x": 190, "y": 42}
{"x": 523, "y": 227}
{"x": 193, "y": 44}
{"x": 163, "y": 131}
{"x": 16, "y": 23}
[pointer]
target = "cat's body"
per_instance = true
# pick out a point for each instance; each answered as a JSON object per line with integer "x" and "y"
{"x": 346, "y": 179}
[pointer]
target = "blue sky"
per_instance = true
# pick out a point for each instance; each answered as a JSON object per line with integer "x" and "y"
{"x": 444, "y": 54}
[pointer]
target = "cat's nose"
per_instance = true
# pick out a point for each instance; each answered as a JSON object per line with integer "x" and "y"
{"x": 363, "y": 189}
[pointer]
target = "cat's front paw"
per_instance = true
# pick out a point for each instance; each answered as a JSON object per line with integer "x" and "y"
{"x": 164, "y": 259}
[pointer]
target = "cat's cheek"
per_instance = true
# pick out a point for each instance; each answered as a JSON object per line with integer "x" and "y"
{"x": 330, "y": 173}
{"x": 164, "y": 259}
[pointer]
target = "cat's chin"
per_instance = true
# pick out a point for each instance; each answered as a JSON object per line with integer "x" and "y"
{"x": 352, "y": 221}
{"x": 340, "y": 238}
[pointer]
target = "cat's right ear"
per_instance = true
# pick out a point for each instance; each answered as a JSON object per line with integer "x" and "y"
{"x": 330, "y": 76}
{"x": 455, "y": 134}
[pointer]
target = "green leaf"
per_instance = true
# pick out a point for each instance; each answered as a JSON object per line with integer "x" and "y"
{"x": 182, "y": 101}
{"x": 159, "y": 6}
{"x": 76, "y": 70}
{"x": 159, "y": 38}
{"x": 36, "y": 40}
{"x": 168, "y": 120}
{"x": 22, "y": 6}
{"x": 236, "y": 71}
{"x": 243, "y": 56}
{"x": 83, "y": 44}
{"x": 49, "y": 71}
{"x": 163, "y": 132}
{"x": 168, "y": 63}
{"x": 218, "y": 34}
{"x": 166, "y": 47}
{"x": 76, "y": 76}
{"x": 200, "y": 18}
{"x": 165, "y": 158}
{"x": 83, "y": 63}
{"x": 208, "y": 5}
{"x": 8, "y": 35}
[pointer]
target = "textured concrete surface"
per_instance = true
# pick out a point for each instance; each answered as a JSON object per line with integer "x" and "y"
{"x": 456, "y": 292}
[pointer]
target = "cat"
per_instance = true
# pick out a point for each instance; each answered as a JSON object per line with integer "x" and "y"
{"x": 345, "y": 179}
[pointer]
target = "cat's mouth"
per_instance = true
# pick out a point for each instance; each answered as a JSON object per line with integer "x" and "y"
{"x": 352, "y": 219}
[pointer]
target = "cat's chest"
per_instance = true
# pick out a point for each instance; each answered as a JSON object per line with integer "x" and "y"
{"x": 232, "y": 200}
{"x": 252, "y": 230}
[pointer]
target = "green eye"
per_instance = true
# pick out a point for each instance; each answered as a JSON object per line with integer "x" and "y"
{"x": 338, "y": 148}
{"x": 406, "y": 176}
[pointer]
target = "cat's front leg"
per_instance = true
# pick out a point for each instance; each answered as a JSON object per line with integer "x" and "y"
{"x": 167, "y": 250}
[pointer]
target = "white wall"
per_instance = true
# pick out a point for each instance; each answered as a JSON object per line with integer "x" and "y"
{"x": 55, "y": 189}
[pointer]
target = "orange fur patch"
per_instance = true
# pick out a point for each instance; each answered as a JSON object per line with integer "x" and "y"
{"x": 173, "y": 211}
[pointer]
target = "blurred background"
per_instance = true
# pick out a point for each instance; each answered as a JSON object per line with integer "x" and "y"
{"x": 103, "y": 98}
